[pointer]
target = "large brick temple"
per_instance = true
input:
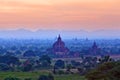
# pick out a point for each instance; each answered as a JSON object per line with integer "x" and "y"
{"x": 59, "y": 47}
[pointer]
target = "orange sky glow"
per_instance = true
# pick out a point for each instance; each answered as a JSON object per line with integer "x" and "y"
{"x": 60, "y": 14}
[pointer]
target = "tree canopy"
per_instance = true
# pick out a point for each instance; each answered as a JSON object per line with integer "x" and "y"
{"x": 106, "y": 71}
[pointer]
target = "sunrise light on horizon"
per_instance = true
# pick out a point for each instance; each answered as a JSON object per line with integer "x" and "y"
{"x": 60, "y": 14}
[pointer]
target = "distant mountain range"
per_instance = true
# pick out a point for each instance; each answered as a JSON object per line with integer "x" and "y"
{"x": 52, "y": 34}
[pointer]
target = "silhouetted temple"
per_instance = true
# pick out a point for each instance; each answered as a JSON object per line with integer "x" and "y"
{"x": 95, "y": 50}
{"x": 59, "y": 47}
{"x": 94, "y": 47}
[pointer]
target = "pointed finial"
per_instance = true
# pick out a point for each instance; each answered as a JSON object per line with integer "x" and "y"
{"x": 59, "y": 35}
{"x": 59, "y": 38}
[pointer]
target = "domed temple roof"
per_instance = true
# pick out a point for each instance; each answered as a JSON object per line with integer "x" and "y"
{"x": 59, "y": 47}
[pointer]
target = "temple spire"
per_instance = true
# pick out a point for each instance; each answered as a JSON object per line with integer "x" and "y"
{"x": 59, "y": 38}
{"x": 94, "y": 45}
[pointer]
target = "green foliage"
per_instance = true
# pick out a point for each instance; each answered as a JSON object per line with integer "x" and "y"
{"x": 4, "y": 67}
{"x": 69, "y": 66}
{"x": 29, "y": 53}
{"x": 11, "y": 78}
{"x": 35, "y": 75}
{"x": 51, "y": 77}
{"x": 106, "y": 71}
{"x": 59, "y": 64}
{"x": 45, "y": 77}
{"x": 115, "y": 72}
{"x": 45, "y": 60}
{"x": 28, "y": 67}
{"x": 60, "y": 72}
{"x": 27, "y": 79}
{"x": 9, "y": 60}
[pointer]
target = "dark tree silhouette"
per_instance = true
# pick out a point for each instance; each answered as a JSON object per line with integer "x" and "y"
{"x": 106, "y": 71}
{"x": 45, "y": 60}
{"x": 59, "y": 64}
{"x": 29, "y": 53}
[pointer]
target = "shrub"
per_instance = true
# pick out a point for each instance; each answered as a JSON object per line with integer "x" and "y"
{"x": 51, "y": 77}
{"x": 60, "y": 72}
{"x": 12, "y": 78}
{"x": 45, "y": 77}
{"x": 27, "y": 79}
{"x": 106, "y": 71}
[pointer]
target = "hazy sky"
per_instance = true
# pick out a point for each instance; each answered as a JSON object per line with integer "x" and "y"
{"x": 60, "y": 14}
